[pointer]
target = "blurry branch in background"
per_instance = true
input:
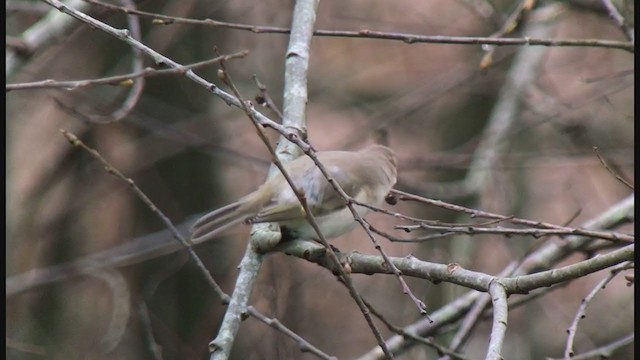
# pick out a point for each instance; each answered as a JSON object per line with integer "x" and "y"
{"x": 119, "y": 80}
{"x": 370, "y": 34}
{"x": 16, "y": 44}
{"x": 153, "y": 132}
{"x": 24, "y": 347}
{"x": 41, "y": 34}
{"x": 582, "y": 309}
{"x": 521, "y": 75}
{"x": 494, "y": 139}
{"x": 509, "y": 26}
{"x": 143, "y": 314}
{"x": 137, "y": 64}
{"x": 536, "y": 101}
{"x": 225, "y": 299}
{"x": 121, "y": 305}
{"x": 495, "y": 136}
{"x": 485, "y": 9}
{"x": 133, "y": 252}
{"x": 28, "y": 7}
{"x": 145, "y": 199}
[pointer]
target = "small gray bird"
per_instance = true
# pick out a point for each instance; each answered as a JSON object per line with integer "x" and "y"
{"x": 366, "y": 175}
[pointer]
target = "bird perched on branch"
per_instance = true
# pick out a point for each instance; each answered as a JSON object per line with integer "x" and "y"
{"x": 366, "y": 176}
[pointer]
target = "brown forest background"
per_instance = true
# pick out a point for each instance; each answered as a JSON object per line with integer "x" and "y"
{"x": 190, "y": 152}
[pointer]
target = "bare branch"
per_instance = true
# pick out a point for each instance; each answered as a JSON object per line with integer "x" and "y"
{"x": 371, "y": 34}
{"x": 604, "y": 163}
{"x": 40, "y": 34}
{"x": 603, "y": 352}
{"x": 454, "y": 273}
{"x": 499, "y": 324}
{"x": 122, "y": 80}
{"x": 582, "y": 309}
{"x": 612, "y": 236}
{"x": 536, "y": 233}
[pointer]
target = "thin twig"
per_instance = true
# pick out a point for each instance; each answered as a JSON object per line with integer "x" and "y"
{"x": 582, "y": 309}
{"x": 602, "y": 352}
{"x": 303, "y": 344}
{"x": 371, "y": 34}
{"x": 606, "y": 166}
{"x": 509, "y": 26}
{"x": 612, "y": 236}
{"x": 176, "y": 235}
{"x": 536, "y": 233}
{"x": 416, "y": 239}
{"x": 264, "y": 98}
{"x": 122, "y": 80}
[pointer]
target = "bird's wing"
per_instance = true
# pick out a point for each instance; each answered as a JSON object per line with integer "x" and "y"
{"x": 321, "y": 196}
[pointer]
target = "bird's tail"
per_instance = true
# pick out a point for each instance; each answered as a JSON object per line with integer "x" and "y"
{"x": 217, "y": 221}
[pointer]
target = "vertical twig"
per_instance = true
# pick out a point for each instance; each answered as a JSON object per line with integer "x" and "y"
{"x": 295, "y": 98}
{"x": 499, "y": 324}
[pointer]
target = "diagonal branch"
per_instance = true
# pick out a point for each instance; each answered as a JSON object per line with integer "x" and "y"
{"x": 124, "y": 79}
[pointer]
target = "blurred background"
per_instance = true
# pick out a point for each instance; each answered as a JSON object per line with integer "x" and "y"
{"x": 190, "y": 152}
